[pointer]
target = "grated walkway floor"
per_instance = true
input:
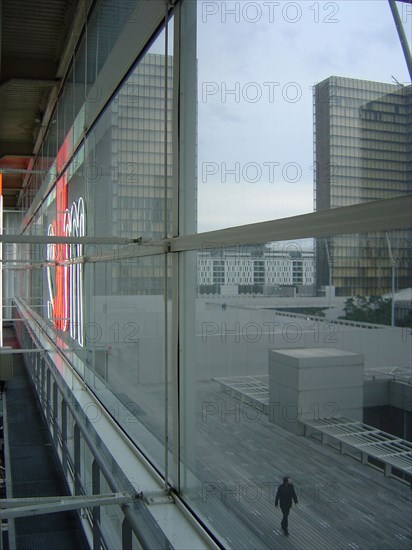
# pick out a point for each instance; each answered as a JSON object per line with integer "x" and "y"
{"x": 34, "y": 468}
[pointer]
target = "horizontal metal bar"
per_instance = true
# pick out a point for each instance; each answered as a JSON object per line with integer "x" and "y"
{"x": 42, "y": 82}
{"x": 82, "y": 500}
{"x": 382, "y": 215}
{"x": 16, "y": 508}
{"x": 20, "y": 351}
{"x": 129, "y": 252}
{"x": 379, "y": 215}
{"x": 24, "y": 262}
{"x": 20, "y": 171}
{"x": 53, "y": 239}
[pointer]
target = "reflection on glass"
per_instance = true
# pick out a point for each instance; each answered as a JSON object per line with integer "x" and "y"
{"x": 124, "y": 347}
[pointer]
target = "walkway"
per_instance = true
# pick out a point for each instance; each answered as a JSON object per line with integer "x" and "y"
{"x": 34, "y": 470}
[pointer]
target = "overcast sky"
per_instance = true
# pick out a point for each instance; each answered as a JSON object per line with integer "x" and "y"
{"x": 255, "y": 145}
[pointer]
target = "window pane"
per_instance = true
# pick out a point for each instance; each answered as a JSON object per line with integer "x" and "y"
{"x": 255, "y": 346}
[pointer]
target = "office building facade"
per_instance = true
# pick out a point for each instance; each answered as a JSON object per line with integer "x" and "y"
{"x": 363, "y": 152}
{"x": 250, "y": 271}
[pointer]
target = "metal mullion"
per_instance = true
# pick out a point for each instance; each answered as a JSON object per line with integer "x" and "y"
{"x": 175, "y": 257}
{"x": 165, "y": 234}
{"x": 175, "y": 374}
{"x": 184, "y": 264}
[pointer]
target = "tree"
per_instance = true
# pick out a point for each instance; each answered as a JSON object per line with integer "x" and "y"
{"x": 368, "y": 309}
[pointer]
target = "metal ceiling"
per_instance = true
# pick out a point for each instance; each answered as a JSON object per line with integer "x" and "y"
{"x": 34, "y": 36}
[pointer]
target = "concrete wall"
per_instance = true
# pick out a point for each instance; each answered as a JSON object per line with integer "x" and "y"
{"x": 236, "y": 341}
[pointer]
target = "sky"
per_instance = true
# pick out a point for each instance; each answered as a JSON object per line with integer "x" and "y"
{"x": 257, "y": 64}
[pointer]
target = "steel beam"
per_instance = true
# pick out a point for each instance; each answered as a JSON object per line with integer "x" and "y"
{"x": 402, "y": 35}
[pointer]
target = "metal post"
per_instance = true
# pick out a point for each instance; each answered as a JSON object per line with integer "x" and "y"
{"x": 127, "y": 535}
{"x": 402, "y": 36}
{"x": 96, "y": 510}
{"x": 36, "y": 373}
{"x": 393, "y": 265}
{"x": 393, "y": 296}
{"x": 77, "y": 462}
{"x": 64, "y": 438}
{"x": 330, "y": 279}
{"x": 48, "y": 396}
{"x": 55, "y": 412}
{"x": 42, "y": 382}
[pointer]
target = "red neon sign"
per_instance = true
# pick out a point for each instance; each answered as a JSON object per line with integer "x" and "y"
{"x": 65, "y": 304}
{"x": 62, "y": 253}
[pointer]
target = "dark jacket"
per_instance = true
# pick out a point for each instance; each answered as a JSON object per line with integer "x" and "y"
{"x": 284, "y": 496}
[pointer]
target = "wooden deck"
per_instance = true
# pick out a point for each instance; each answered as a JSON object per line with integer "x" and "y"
{"x": 241, "y": 458}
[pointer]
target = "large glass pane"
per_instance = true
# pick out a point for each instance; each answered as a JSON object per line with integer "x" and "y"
{"x": 126, "y": 154}
{"x": 258, "y": 63}
{"x": 125, "y": 339}
{"x": 112, "y": 317}
{"x": 266, "y": 360}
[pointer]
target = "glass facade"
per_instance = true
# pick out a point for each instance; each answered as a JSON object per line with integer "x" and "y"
{"x": 158, "y": 314}
{"x": 111, "y": 314}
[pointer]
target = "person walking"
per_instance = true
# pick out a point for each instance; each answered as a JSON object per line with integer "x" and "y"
{"x": 284, "y": 496}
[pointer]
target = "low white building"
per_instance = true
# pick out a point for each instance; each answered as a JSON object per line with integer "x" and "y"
{"x": 253, "y": 273}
